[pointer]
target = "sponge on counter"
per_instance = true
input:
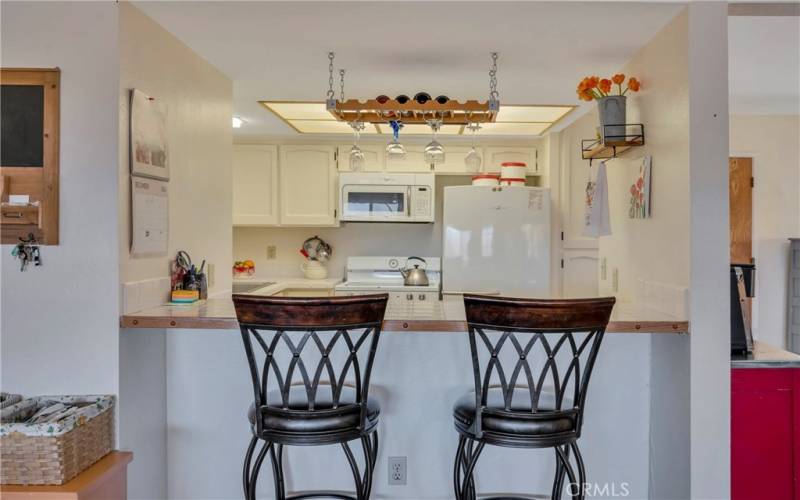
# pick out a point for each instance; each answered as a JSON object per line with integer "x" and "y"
{"x": 185, "y": 296}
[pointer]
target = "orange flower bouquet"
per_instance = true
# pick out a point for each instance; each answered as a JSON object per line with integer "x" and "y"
{"x": 593, "y": 88}
{"x": 610, "y": 105}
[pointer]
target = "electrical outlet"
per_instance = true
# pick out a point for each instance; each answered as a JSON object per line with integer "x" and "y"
{"x": 210, "y": 274}
{"x": 272, "y": 252}
{"x": 397, "y": 470}
{"x": 603, "y": 269}
{"x": 615, "y": 280}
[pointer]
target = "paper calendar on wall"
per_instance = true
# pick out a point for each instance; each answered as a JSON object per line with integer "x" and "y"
{"x": 149, "y": 217}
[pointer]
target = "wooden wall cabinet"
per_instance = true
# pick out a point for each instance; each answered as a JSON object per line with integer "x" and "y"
{"x": 308, "y": 180}
{"x": 255, "y": 185}
{"x": 29, "y": 154}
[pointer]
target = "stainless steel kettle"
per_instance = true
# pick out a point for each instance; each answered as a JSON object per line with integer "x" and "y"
{"x": 415, "y": 276}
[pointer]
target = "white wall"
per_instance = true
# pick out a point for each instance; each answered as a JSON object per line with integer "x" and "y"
{"x": 772, "y": 142}
{"x": 654, "y": 249}
{"x": 199, "y": 100}
{"x": 60, "y": 322}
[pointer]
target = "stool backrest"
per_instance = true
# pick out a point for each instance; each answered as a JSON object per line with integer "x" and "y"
{"x": 314, "y": 343}
{"x": 537, "y": 345}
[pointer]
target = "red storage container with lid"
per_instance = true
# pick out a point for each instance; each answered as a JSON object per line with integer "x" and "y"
{"x": 486, "y": 180}
{"x": 513, "y": 170}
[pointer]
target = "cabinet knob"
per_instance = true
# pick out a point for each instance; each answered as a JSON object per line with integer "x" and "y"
{"x": 421, "y": 296}
{"x": 410, "y": 296}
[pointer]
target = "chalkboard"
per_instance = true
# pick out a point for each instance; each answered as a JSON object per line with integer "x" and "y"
{"x": 22, "y": 125}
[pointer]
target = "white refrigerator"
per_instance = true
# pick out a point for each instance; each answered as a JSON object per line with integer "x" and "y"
{"x": 496, "y": 241}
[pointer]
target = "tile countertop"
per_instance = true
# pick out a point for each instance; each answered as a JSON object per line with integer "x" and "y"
{"x": 427, "y": 316}
{"x": 766, "y": 356}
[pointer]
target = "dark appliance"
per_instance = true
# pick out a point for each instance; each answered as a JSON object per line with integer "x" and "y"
{"x": 743, "y": 281}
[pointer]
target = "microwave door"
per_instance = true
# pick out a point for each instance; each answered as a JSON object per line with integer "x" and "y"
{"x": 374, "y": 203}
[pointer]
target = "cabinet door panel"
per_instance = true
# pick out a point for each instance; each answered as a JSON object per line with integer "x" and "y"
{"x": 374, "y": 157}
{"x": 495, "y": 156}
{"x": 255, "y": 185}
{"x": 308, "y": 186}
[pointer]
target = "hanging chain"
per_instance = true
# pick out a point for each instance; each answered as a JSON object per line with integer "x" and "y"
{"x": 341, "y": 81}
{"x": 493, "y": 78}
{"x": 331, "y": 55}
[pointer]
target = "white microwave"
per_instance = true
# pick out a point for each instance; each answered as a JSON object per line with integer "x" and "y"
{"x": 382, "y": 197}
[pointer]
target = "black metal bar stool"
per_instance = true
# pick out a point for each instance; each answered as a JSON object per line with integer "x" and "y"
{"x": 550, "y": 347}
{"x": 318, "y": 355}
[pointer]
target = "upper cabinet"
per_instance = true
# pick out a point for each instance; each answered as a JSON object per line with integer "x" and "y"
{"x": 255, "y": 185}
{"x": 307, "y": 177}
{"x": 493, "y": 157}
{"x": 374, "y": 157}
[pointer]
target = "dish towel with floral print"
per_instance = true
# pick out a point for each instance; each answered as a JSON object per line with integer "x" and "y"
{"x": 596, "y": 219}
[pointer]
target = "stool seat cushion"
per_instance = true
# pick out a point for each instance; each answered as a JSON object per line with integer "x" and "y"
{"x": 296, "y": 418}
{"x": 518, "y": 420}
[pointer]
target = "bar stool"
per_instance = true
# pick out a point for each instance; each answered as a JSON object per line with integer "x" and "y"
{"x": 509, "y": 339}
{"x": 318, "y": 355}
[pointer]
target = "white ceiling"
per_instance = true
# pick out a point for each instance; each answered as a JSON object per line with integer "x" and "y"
{"x": 764, "y": 67}
{"x": 277, "y": 50}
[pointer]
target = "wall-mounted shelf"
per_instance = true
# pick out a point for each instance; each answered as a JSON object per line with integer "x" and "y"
{"x": 615, "y": 140}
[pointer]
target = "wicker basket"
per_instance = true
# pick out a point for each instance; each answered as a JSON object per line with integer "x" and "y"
{"x": 54, "y": 453}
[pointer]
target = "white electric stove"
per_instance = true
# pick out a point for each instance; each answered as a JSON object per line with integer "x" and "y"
{"x": 365, "y": 275}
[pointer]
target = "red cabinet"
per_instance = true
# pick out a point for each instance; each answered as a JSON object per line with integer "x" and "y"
{"x": 765, "y": 433}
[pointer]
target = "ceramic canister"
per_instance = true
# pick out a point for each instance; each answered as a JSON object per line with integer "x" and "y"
{"x": 513, "y": 170}
{"x": 314, "y": 270}
{"x": 512, "y": 182}
{"x": 485, "y": 180}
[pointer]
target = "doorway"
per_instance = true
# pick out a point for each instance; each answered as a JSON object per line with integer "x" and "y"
{"x": 740, "y": 194}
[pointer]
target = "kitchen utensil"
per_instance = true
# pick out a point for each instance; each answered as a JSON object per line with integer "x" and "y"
{"x": 415, "y": 276}
{"x": 395, "y": 150}
{"x": 434, "y": 151}
{"x": 357, "y": 159}
{"x": 473, "y": 159}
{"x": 315, "y": 248}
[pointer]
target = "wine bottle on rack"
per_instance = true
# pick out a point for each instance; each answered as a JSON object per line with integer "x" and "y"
{"x": 422, "y": 97}
{"x": 402, "y": 99}
{"x": 442, "y": 99}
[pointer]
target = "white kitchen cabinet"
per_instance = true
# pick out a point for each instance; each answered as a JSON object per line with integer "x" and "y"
{"x": 493, "y": 157}
{"x": 374, "y": 157}
{"x": 413, "y": 162}
{"x": 255, "y": 185}
{"x": 454, "y": 160}
{"x": 307, "y": 177}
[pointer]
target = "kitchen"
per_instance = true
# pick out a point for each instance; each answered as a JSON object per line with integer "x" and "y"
{"x": 427, "y": 167}
{"x": 297, "y": 185}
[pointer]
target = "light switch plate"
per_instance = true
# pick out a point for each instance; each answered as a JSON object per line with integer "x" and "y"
{"x": 615, "y": 280}
{"x": 603, "y": 269}
{"x": 210, "y": 274}
{"x": 272, "y": 252}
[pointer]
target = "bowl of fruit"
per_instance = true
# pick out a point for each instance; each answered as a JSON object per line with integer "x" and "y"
{"x": 244, "y": 268}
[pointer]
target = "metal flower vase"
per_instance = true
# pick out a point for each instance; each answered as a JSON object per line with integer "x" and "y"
{"x": 611, "y": 110}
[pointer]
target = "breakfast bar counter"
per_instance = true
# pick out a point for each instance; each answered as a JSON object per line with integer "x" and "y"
{"x": 446, "y": 315}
